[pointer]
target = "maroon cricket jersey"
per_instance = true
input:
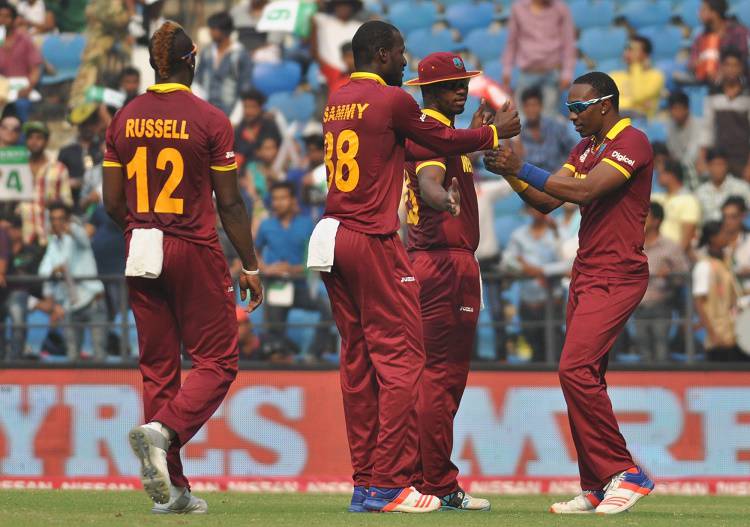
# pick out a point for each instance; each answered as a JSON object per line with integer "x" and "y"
{"x": 167, "y": 141}
{"x": 434, "y": 229}
{"x": 366, "y": 124}
{"x": 611, "y": 236}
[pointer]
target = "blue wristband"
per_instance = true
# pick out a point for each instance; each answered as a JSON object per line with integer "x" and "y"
{"x": 534, "y": 176}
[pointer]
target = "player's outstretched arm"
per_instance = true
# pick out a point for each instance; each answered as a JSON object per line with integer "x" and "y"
{"x": 505, "y": 162}
{"x": 431, "y": 176}
{"x": 605, "y": 177}
{"x": 113, "y": 194}
{"x": 236, "y": 223}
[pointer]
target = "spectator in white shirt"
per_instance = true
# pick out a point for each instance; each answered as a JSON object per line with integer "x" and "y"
{"x": 721, "y": 186}
{"x": 331, "y": 28}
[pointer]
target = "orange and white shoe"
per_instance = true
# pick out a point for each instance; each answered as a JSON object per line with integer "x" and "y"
{"x": 585, "y": 503}
{"x": 406, "y": 499}
{"x": 624, "y": 490}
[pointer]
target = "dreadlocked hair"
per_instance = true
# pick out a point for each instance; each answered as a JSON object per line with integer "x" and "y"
{"x": 167, "y": 46}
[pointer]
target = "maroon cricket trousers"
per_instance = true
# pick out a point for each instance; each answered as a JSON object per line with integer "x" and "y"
{"x": 450, "y": 300}
{"x": 598, "y": 308}
{"x": 375, "y": 302}
{"x": 191, "y": 306}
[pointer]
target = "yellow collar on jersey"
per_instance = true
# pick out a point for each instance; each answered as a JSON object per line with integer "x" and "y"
{"x": 617, "y": 128}
{"x": 437, "y": 116}
{"x": 359, "y": 75}
{"x": 168, "y": 87}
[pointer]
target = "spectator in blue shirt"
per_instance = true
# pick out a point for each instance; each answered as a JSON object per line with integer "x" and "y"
{"x": 69, "y": 256}
{"x": 281, "y": 243}
{"x": 534, "y": 252}
{"x": 108, "y": 245}
{"x": 546, "y": 141}
{"x": 224, "y": 68}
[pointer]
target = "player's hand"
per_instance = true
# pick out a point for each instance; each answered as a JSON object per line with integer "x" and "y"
{"x": 507, "y": 122}
{"x": 483, "y": 115}
{"x": 454, "y": 198}
{"x": 251, "y": 284}
{"x": 503, "y": 161}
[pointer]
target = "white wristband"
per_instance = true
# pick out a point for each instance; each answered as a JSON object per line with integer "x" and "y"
{"x": 250, "y": 273}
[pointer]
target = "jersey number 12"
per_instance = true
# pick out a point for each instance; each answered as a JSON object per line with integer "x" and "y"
{"x": 138, "y": 168}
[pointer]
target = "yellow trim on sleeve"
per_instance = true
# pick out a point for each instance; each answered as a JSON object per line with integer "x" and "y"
{"x": 496, "y": 138}
{"x": 438, "y": 116}
{"x": 111, "y": 164}
{"x": 617, "y": 128}
{"x": 360, "y": 75}
{"x": 516, "y": 184}
{"x": 570, "y": 167}
{"x": 227, "y": 168}
{"x": 618, "y": 167}
{"x": 430, "y": 164}
{"x": 168, "y": 87}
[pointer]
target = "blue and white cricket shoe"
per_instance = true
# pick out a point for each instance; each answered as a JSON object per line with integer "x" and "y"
{"x": 359, "y": 495}
{"x": 624, "y": 490}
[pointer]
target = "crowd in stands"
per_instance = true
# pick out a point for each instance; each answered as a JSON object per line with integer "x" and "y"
{"x": 681, "y": 66}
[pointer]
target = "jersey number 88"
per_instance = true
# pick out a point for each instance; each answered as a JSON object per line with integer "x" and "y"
{"x": 347, "y": 146}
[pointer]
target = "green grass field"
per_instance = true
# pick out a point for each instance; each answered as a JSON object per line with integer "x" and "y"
{"x": 113, "y": 509}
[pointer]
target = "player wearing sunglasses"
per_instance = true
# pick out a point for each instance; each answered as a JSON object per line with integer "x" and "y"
{"x": 609, "y": 175}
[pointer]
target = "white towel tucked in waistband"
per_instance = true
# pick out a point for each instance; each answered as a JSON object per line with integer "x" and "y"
{"x": 146, "y": 254}
{"x": 322, "y": 245}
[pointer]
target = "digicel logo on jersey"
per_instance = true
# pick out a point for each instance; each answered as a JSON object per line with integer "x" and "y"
{"x": 622, "y": 158}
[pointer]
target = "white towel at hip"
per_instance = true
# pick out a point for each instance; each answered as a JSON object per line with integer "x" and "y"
{"x": 322, "y": 245}
{"x": 146, "y": 254}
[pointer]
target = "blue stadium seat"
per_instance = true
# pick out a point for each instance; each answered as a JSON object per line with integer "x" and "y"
{"x": 63, "y": 52}
{"x": 656, "y": 131}
{"x": 508, "y": 206}
{"x": 271, "y": 78}
{"x": 643, "y": 13}
{"x": 312, "y": 77}
{"x": 669, "y": 67}
{"x": 742, "y": 11}
{"x": 293, "y": 106}
{"x": 697, "y": 95}
{"x": 666, "y": 40}
{"x": 493, "y": 70}
{"x": 688, "y": 12}
{"x": 610, "y": 65}
{"x": 467, "y": 16}
{"x": 486, "y": 45}
{"x": 39, "y": 326}
{"x": 302, "y": 334}
{"x": 588, "y": 13}
{"x": 422, "y": 42}
{"x": 408, "y": 16}
{"x": 600, "y": 43}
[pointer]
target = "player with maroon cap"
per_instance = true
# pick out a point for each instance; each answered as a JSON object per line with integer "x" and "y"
{"x": 609, "y": 175}
{"x": 167, "y": 153}
{"x": 370, "y": 281}
{"x": 443, "y": 221}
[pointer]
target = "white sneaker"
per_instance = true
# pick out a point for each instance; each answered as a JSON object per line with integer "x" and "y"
{"x": 460, "y": 501}
{"x": 585, "y": 503}
{"x": 150, "y": 447}
{"x": 407, "y": 499}
{"x": 624, "y": 490}
{"x": 181, "y": 502}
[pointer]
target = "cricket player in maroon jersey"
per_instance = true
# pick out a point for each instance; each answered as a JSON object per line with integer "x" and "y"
{"x": 443, "y": 234}
{"x": 374, "y": 293}
{"x": 167, "y": 153}
{"x": 609, "y": 175}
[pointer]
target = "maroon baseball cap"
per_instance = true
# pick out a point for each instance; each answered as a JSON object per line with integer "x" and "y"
{"x": 440, "y": 67}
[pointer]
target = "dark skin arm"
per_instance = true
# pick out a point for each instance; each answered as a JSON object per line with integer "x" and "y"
{"x": 113, "y": 190}
{"x": 431, "y": 190}
{"x": 541, "y": 201}
{"x": 236, "y": 223}
{"x": 602, "y": 180}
